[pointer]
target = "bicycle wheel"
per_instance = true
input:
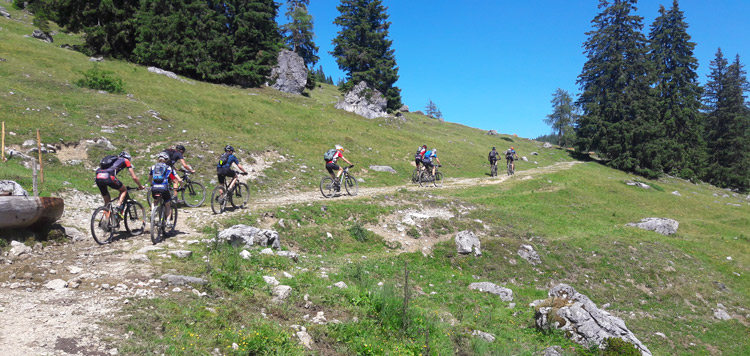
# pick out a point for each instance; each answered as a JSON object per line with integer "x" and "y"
{"x": 218, "y": 202}
{"x": 415, "y": 176}
{"x": 157, "y": 224}
{"x": 240, "y": 196}
{"x": 148, "y": 196}
{"x": 326, "y": 187}
{"x": 172, "y": 219}
{"x": 351, "y": 185}
{"x": 494, "y": 170}
{"x": 424, "y": 178}
{"x": 194, "y": 194}
{"x": 438, "y": 181}
{"x": 102, "y": 228}
{"x": 135, "y": 218}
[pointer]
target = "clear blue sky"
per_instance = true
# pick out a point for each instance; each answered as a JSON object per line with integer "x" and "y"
{"x": 495, "y": 64}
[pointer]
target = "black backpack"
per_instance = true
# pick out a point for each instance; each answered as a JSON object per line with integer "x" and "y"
{"x": 169, "y": 153}
{"x": 493, "y": 154}
{"x": 223, "y": 159}
{"x": 108, "y": 161}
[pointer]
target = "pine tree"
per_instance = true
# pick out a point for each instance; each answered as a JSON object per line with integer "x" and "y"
{"x": 616, "y": 100}
{"x": 363, "y": 50}
{"x": 432, "y": 110}
{"x": 563, "y": 117}
{"x": 299, "y": 31}
{"x": 109, "y": 26}
{"x": 678, "y": 93}
{"x": 727, "y": 124}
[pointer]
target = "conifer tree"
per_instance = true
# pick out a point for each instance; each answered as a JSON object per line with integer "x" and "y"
{"x": 616, "y": 101}
{"x": 563, "y": 117}
{"x": 363, "y": 50}
{"x": 727, "y": 124}
{"x": 109, "y": 26}
{"x": 678, "y": 95}
{"x": 299, "y": 31}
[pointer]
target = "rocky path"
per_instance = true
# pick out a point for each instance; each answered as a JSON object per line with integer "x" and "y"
{"x": 55, "y": 300}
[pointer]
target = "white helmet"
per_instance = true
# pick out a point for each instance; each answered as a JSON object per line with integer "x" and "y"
{"x": 162, "y": 156}
{"x": 339, "y": 147}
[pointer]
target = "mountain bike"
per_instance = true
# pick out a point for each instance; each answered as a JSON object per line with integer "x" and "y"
{"x": 192, "y": 193}
{"x": 415, "y": 175}
{"x": 237, "y": 195}
{"x": 493, "y": 170}
{"x": 427, "y": 177}
{"x": 329, "y": 187}
{"x": 105, "y": 221}
{"x": 511, "y": 171}
{"x": 160, "y": 224}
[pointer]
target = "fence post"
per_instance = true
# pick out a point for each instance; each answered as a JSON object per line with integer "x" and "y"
{"x": 3, "y": 142}
{"x": 39, "y": 148}
{"x": 33, "y": 177}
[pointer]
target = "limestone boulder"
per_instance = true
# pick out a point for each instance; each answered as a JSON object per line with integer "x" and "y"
{"x": 290, "y": 74}
{"x": 662, "y": 226}
{"x": 467, "y": 242}
{"x": 364, "y": 100}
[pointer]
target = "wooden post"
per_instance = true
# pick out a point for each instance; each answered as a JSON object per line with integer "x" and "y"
{"x": 39, "y": 148}
{"x": 33, "y": 177}
{"x": 3, "y": 142}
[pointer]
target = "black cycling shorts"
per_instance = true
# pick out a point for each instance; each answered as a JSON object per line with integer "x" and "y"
{"x": 222, "y": 172}
{"x": 427, "y": 164}
{"x": 331, "y": 167}
{"x": 493, "y": 160}
{"x": 111, "y": 181}
{"x": 417, "y": 161}
{"x": 166, "y": 194}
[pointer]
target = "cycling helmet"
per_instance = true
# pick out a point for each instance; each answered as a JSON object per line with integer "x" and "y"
{"x": 493, "y": 148}
{"x": 228, "y": 148}
{"x": 424, "y": 146}
{"x": 511, "y": 147}
{"x": 125, "y": 154}
{"x": 339, "y": 148}
{"x": 180, "y": 148}
{"x": 162, "y": 156}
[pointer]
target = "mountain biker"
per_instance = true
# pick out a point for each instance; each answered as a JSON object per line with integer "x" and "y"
{"x": 418, "y": 156}
{"x": 159, "y": 177}
{"x": 177, "y": 155}
{"x": 427, "y": 159}
{"x": 492, "y": 157}
{"x": 332, "y": 166}
{"x": 510, "y": 157}
{"x": 224, "y": 167}
{"x": 107, "y": 177}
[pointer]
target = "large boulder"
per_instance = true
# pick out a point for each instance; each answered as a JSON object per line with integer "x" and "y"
{"x": 243, "y": 235}
{"x": 290, "y": 74}
{"x": 580, "y": 319}
{"x": 9, "y": 187}
{"x": 365, "y": 101}
{"x": 492, "y": 132}
{"x": 466, "y": 242}
{"x": 663, "y": 226}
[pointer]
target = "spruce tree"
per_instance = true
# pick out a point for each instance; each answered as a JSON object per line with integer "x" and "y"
{"x": 109, "y": 27}
{"x": 299, "y": 32}
{"x": 683, "y": 151}
{"x": 616, "y": 119}
{"x": 563, "y": 117}
{"x": 363, "y": 50}
{"x": 727, "y": 124}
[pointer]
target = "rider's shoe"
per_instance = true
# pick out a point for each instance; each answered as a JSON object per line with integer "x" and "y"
{"x": 170, "y": 226}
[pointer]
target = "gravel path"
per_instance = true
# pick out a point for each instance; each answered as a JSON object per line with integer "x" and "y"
{"x": 53, "y": 299}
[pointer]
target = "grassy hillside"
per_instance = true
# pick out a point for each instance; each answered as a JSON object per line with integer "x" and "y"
{"x": 575, "y": 218}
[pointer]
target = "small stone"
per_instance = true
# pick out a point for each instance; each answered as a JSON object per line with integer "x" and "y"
{"x": 341, "y": 285}
{"x": 266, "y": 251}
{"x": 181, "y": 253}
{"x": 271, "y": 280}
{"x": 56, "y": 284}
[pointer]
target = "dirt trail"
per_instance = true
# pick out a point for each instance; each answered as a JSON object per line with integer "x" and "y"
{"x": 53, "y": 299}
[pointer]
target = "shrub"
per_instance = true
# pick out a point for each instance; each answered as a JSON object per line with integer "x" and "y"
{"x": 619, "y": 347}
{"x": 98, "y": 79}
{"x": 358, "y": 233}
{"x": 413, "y": 232}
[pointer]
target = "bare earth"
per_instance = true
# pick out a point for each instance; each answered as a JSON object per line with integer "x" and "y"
{"x": 41, "y": 318}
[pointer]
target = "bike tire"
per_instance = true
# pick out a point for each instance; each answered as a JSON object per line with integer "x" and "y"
{"x": 101, "y": 228}
{"x": 351, "y": 185}
{"x": 415, "y": 176}
{"x": 424, "y": 178}
{"x": 510, "y": 170}
{"x": 157, "y": 224}
{"x": 326, "y": 187}
{"x": 240, "y": 196}
{"x": 438, "y": 181}
{"x": 493, "y": 172}
{"x": 135, "y": 218}
{"x": 148, "y": 197}
{"x": 172, "y": 219}
{"x": 194, "y": 194}
{"x": 217, "y": 201}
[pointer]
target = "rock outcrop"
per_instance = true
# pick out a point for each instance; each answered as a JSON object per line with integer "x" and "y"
{"x": 290, "y": 74}
{"x": 41, "y": 35}
{"x": 528, "y": 253}
{"x": 467, "y": 242}
{"x": 505, "y": 294}
{"x": 365, "y": 101}
{"x": 9, "y": 187}
{"x": 243, "y": 235}
{"x": 663, "y": 226}
{"x": 578, "y": 317}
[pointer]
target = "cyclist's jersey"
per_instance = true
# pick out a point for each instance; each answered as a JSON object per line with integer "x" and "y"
{"x": 493, "y": 157}
{"x": 231, "y": 159}
{"x": 429, "y": 155}
{"x": 420, "y": 153}
{"x": 120, "y": 164}
{"x": 510, "y": 154}
{"x": 336, "y": 157}
{"x": 165, "y": 184}
{"x": 174, "y": 156}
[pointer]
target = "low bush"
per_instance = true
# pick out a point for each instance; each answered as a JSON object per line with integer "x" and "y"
{"x": 98, "y": 79}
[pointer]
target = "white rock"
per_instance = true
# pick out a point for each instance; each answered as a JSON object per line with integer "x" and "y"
{"x": 266, "y": 251}
{"x": 341, "y": 285}
{"x": 181, "y": 253}
{"x": 280, "y": 293}
{"x": 74, "y": 269}
{"x": 271, "y": 280}
{"x": 245, "y": 254}
{"x": 56, "y": 284}
{"x": 305, "y": 339}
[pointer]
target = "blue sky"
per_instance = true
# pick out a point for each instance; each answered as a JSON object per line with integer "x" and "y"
{"x": 495, "y": 64}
